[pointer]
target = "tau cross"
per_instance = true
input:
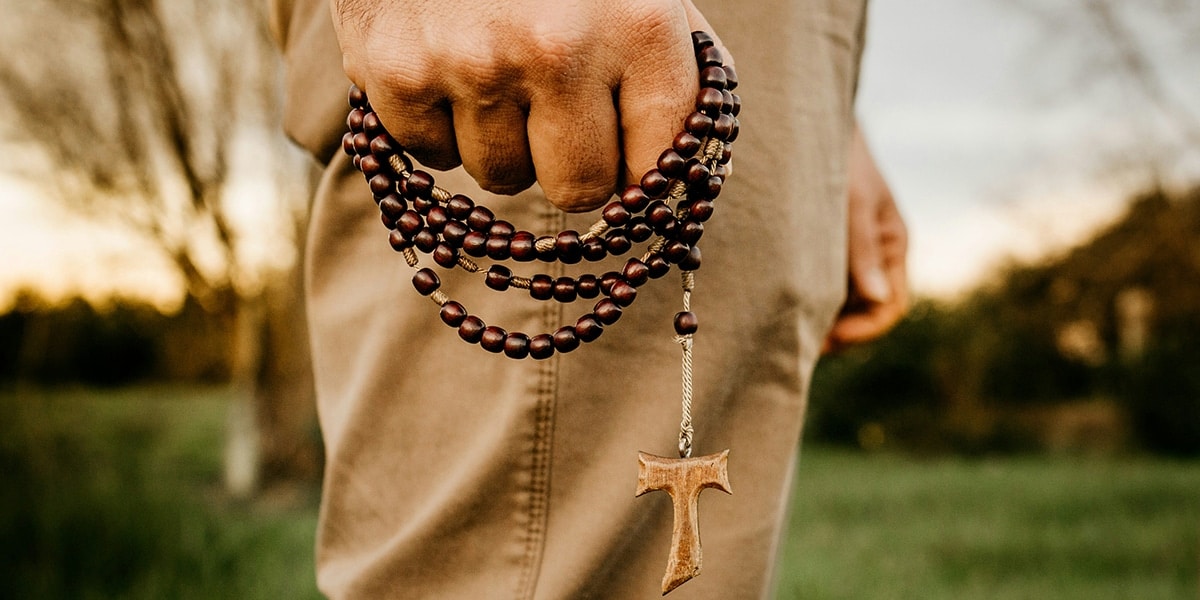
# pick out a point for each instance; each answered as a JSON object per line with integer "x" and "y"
{"x": 683, "y": 478}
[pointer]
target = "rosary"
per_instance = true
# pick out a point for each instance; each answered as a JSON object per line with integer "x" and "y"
{"x": 667, "y": 208}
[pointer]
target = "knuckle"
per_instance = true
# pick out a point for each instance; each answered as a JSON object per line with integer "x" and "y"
{"x": 580, "y": 197}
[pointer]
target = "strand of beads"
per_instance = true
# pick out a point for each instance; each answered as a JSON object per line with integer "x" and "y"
{"x": 667, "y": 209}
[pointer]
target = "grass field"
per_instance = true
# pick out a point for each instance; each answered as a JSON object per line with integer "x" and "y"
{"x": 115, "y": 494}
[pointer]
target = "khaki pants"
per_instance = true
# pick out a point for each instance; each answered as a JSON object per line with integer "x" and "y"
{"x": 455, "y": 473}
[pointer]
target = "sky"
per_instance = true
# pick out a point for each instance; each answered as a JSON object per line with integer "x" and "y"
{"x": 1000, "y": 135}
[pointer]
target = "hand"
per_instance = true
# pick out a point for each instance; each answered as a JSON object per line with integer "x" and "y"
{"x": 579, "y": 96}
{"x": 878, "y": 246}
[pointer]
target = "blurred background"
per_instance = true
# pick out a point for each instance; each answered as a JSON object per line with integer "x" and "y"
{"x": 1032, "y": 429}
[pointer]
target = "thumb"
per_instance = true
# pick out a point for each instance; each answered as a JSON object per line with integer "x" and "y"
{"x": 865, "y": 255}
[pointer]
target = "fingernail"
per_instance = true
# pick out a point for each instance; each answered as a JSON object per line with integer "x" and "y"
{"x": 875, "y": 286}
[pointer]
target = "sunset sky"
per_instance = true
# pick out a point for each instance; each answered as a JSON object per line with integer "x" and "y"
{"x": 1000, "y": 135}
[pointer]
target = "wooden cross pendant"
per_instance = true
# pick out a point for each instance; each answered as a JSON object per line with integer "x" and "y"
{"x": 683, "y": 478}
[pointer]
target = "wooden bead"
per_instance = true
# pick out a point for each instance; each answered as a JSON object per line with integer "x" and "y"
{"x": 362, "y": 144}
{"x": 383, "y": 147}
{"x": 709, "y": 56}
{"x": 453, "y": 313}
{"x": 410, "y": 223}
{"x": 565, "y": 339}
{"x": 541, "y": 346}
{"x": 420, "y": 185}
{"x": 636, "y": 272}
{"x": 675, "y": 251}
{"x": 397, "y": 241}
{"x": 354, "y": 120}
{"x": 654, "y": 183}
{"x": 701, "y": 40}
{"x": 492, "y": 339}
{"x": 731, "y": 80}
{"x": 358, "y": 99}
{"x": 638, "y": 230}
{"x": 498, "y": 277}
{"x": 437, "y": 218}
{"x": 607, "y": 281}
{"x": 622, "y": 293}
{"x": 594, "y": 250}
{"x": 708, "y": 101}
{"x": 686, "y": 144}
{"x": 607, "y": 311}
{"x": 521, "y": 247}
{"x": 480, "y": 219}
{"x": 475, "y": 244}
{"x": 698, "y": 124}
{"x": 670, "y": 163}
{"x": 707, "y": 189}
{"x": 516, "y": 345}
{"x": 616, "y": 242}
{"x": 658, "y": 213}
{"x": 423, "y": 205}
{"x": 564, "y": 289}
{"x": 348, "y": 144}
{"x": 425, "y": 240}
{"x": 587, "y": 286}
{"x": 696, "y": 172}
{"x": 658, "y": 266}
{"x": 454, "y": 232}
{"x": 668, "y": 228}
{"x": 690, "y": 232}
{"x": 713, "y": 77}
{"x": 634, "y": 199}
{"x": 541, "y": 287}
{"x": 615, "y": 214}
{"x": 426, "y": 281}
{"x": 701, "y": 210}
{"x": 691, "y": 262}
{"x": 724, "y": 127}
{"x": 496, "y": 247}
{"x": 502, "y": 229}
{"x": 371, "y": 124}
{"x": 381, "y": 185}
{"x": 369, "y": 165}
{"x": 726, "y": 101}
{"x": 735, "y": 104}
{"x": 471, "y": 329}
{"x": 392, "y": 206}
{"x": 686, "y": 323}
{"x": 588, "y": 328}
{"x": 445, "y": 255}
{"x": 459, "y": 206}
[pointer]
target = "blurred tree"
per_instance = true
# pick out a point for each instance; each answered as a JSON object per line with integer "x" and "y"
{"x": 148, "y": 115}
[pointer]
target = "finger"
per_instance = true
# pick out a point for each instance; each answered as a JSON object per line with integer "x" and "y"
{"x": 865, "y": 251}
{"x": 574, "y": 147}
{"x": 417, "y": 116}
{"x": 493, "y": 145}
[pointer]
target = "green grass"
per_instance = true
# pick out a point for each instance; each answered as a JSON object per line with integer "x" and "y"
{"x": 886, "y": 526}
{"x": 116, "y": 494}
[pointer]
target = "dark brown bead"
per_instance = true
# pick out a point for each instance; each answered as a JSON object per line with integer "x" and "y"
{"x": 700, "y": 40}
{"x": 690, "y": 232}
{"x": 622, "y": 293}
{"x": 713, "y": 77}
{"x": 541, "y": 346}
{"x": 616, "y": 242}
{"x": 594, "y": 250}
{"x": 471, "y": 329}
{"x": 668, "y": 229}
{"x": 607, "y": 311}
{"x": 372, "y": 126}
{"x": 639, "y": 231}
{"x": 670, "y": 163}
{"x": 493, "y": 338}
{"x": 358, "y": 98}
{"x": 698, "y": 124}
{"x": 708, "y": 189}
{"x": 726, "y": 101}
{"x": 459, "y": 206}
{"x": 675, "y": 251}
{"x": 615, "y": 214}
{"x": 496, "y": 247}
{"x": 475, "y": 244}
{"x": 381, "y": 185}
{"x": 521, "y": 247}
{"x": 735, "y": 104}
{"x": 588, "y": 328}
{"x": 354, "y": 120}
{"x": 541, "y": 287}
{"x": 369, "y": 165}
{"x": 607, "y": 281}
{"x": 453, "y": 313}
{"x": 348, "y": 144}
{"x": 356, "y": 160}
{"x": 658, "y": 213}
{"x": 502, "y": 229}
{"x": 498, "y": 277}
{"x": 635, "y": 272}
{"x": 587, "y": 286}
{"x": 445, "y": 255}
{"x": 721, "y": 171}
{"x": 410, "y": 223}
{"x": 658, "y": 266}
{"x": 420, "y": 185}
{"x": 709, "y": 56}
{"x": 426, "y": 281}
{"x": 454, "y": 232}
{"x": 724, "y": 127}
{"x": 691, "y": 262}
{"x": 392, "y": 206}
{"x": 422, "y": 205}
{"x": 437, "y": 218}
{"x": 387, "y": 221}
{"x": 696, "y": 172}
{"x": 481, "y": 218}
{"x": 654, "y": 183}
{"x": 686, "y": 322}
{"x": 516, "y": 345}
{"x": 686, "y": 144}
{"x": 726, "y": 155}
{"x": 567, "y": 242}
{"x": 708, "y": 101}
{"x": 564, "y": 289}
{"x": 396, "y": 239}
{"x": 701, "y": 210}
{"x": 382, "y": 147}
{"x": 425, "y": 240}
{"x": 565, "y": 339}
{"x": 634, "y": 199}
{"x": 362, "y": 144}
{"x": 731, "y": 80}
